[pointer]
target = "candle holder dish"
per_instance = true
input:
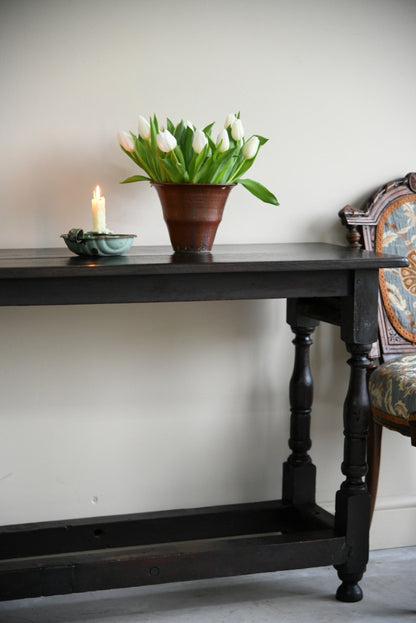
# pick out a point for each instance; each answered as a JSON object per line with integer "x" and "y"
{"x": 93, "y": 244}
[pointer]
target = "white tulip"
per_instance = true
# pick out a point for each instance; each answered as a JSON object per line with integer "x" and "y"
{"x": 199, "y": 141}
{"x": 144, "y": 128}
{"x": 125, "y": 140}
{"x": 250, "y": 148}
{"x": 223, "y": 136}
{"x": 229, "y": 120}
{"x": 166, "y": 141}
{"x": 237, "y": 130}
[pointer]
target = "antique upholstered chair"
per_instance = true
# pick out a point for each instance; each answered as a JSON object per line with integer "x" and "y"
{"x": 387, "y": 223}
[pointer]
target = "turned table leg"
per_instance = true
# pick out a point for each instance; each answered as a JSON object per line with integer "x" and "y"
{"x": 299, "y": 473}
{"x": 352, "y": 515}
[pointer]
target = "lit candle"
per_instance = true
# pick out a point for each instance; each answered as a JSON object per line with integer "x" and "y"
{"x": 98, "y": 212}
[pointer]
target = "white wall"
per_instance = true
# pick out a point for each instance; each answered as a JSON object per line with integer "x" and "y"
{"x": 114, "y": 409}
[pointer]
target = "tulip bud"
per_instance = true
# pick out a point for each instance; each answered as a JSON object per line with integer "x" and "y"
{"x": 223, "y": 136}
{"x": 166, "y": 141}
{"x": 237, "y": 130}
{"x": 229, "y": 120}
{"x": 125, "y": 140}
{"x": 144, "y": 128}
{"x": 250, "y": 148}
{"x": 199, "y": 141}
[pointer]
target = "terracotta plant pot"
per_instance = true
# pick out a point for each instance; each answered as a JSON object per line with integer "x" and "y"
{"x": 192, "y": 213}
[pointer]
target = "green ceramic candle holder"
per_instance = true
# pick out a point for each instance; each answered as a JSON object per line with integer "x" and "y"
{"x": 92, "y": 244}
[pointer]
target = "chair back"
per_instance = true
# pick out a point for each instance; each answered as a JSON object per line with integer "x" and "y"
{"x": 387, "y": 223}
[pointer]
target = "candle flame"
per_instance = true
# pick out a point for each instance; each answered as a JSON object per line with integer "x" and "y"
{"x": 97, "y": 192}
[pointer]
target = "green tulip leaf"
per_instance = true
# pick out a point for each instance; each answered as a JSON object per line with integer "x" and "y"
{"x": 196, "y": 164}
{"x": 187, "y": 150}
{"x": 208, "y": 129}
{"x": 179, "y": 132}
{"x": 262, "y": 140}
{"x": 243, "y": 167}
{"x": 136, "y": 178}
{"x": 179, "y": 155}
{"x": 169, "y": 172}
{"x": 225, "y": 164}
{"x": 258, "y": 190}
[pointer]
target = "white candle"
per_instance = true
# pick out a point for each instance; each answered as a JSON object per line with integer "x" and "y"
{"x": 98, "y": 212}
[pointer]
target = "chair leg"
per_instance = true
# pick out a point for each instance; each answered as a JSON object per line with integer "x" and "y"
{"x": 412, "y": 426}
{"x": 375, "y": 433}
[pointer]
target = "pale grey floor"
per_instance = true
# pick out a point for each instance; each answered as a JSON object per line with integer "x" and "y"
{"x": 302, "y": 596}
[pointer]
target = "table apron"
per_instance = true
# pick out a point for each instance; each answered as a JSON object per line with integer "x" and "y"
{"x": 174, "y": 287}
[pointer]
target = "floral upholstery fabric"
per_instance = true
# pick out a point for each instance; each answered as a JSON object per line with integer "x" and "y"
{"x": 392, "y": 390}
{"x": 396, "y": 233}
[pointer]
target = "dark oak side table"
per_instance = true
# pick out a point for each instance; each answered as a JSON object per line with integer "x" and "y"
{"x": 321, "y": 282}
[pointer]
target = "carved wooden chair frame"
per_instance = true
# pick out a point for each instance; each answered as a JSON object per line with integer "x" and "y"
{"x": 361, "y": 226}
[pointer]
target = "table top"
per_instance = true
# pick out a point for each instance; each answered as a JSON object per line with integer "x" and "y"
{"x": 156, "y": 274}
{"x": 147, "y": 260}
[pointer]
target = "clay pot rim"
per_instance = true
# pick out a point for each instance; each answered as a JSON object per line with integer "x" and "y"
{"x": 193, "y": 184}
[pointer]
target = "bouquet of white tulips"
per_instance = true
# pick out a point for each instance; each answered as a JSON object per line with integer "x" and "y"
{"x": 184, "y": 154}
